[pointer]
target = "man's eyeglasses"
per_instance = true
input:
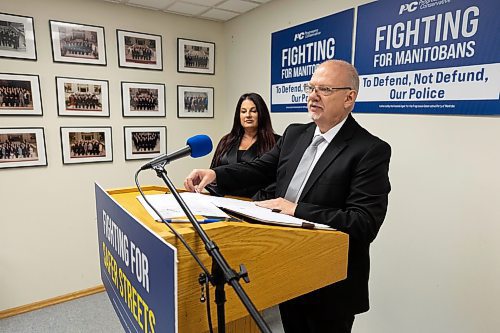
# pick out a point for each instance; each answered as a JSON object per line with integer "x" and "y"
{"x": 322, "y": 90}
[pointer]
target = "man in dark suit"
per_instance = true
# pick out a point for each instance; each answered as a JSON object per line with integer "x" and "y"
{"x": 346, "y": 187}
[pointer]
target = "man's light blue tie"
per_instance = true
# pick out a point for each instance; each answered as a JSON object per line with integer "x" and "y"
{"x": 292, "y": 193}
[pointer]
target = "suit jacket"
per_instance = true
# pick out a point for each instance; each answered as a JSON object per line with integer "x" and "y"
{"x": 347, "y": 189}
{"x": 231, "y": 157}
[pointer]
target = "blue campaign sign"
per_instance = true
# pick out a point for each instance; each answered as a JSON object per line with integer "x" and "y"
{"x": 296, "y": 52}
{"x": 138, "y": 269}
{"x": 428, "y": 57}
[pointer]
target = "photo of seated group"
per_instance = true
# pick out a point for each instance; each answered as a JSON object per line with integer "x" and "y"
{"x": 20, "y": 95}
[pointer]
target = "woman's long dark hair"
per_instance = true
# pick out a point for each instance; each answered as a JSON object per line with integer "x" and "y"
{"x": 265, "y": 133}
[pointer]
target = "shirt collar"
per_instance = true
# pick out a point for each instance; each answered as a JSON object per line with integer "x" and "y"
{"x": 330, "y": 134}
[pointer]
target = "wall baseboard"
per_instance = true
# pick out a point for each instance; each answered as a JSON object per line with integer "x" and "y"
{"x": 50, "y": 301}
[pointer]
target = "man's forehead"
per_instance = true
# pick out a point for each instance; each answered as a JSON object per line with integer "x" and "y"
{"x": 328, "y": 74}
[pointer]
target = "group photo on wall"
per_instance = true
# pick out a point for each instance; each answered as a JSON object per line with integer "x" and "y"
{"x": 20, "y": 147}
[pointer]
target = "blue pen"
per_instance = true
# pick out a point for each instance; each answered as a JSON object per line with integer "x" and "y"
{"x": 199, "y": 221}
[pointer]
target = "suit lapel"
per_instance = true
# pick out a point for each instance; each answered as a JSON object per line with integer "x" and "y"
{"x": 336, "y": 146}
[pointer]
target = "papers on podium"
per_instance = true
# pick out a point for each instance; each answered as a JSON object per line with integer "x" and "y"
{"x": 207, "y": 205}
{"x": 169, "y": 208}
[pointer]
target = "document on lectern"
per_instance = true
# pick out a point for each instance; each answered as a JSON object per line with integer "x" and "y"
{"x": 169, "y": 208}
{"x": 250, "y": 210}
{"x": 212, "y": 206}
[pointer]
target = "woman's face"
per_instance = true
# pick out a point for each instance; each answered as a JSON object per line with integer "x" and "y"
{"x": 249, "y": 117}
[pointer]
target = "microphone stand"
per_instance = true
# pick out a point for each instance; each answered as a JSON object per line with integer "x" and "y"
{"x": 222, "y": 273}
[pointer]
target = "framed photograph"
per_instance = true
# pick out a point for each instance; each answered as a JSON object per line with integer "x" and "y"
{"x": 77, "y": 43}
{"x": 194, "y": 56}
{"x": 195, "y": 102}
{"x": 144, "y": 142}
{"x": 82, "y": 97}
{"x": 139, "y": 50}
{"x": 17, "y": 37}
{"x": 86, "y": 144}
{"x": 20, "y": 95}
{"x": 143, "y": 99}
{"x": 22, "y": 147}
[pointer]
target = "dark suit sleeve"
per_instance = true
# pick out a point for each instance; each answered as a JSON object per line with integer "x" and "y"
{"x": 260, "y": 172}
{"x": 366, "y": 201}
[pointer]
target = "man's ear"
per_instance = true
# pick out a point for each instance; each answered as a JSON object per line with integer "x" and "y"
{"x": 350, "y": 98}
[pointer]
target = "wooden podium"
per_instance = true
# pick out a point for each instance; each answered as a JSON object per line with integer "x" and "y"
{"x": 282, "y": 262}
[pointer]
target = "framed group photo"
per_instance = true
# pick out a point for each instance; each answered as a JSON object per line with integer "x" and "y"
{"x": 86, "y": 144}
{"x": 22, "y": 147}
{"x": 77, "y": 43}
{"x": 139, "y": 50}
{"x": 194, "y": 56}
{"x": 144, "y": 142}
{"x": 20, "y": 95}
{"x": 17, "y": 37}
{"x": 82, "y": 97}
{"x": 195, "y": 102}
{"x": 143, "y": 99}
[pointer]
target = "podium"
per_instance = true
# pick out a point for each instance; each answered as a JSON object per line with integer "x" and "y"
{"x": 283, "y": 263}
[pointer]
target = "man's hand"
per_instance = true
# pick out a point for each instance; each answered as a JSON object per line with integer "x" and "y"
{"x": 198, "y": 179}
{"x": 279, "y": 205}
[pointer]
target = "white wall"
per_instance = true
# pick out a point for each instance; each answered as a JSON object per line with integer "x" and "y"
{"x": 435, "y": 263}
{"x": 48, "y": 239}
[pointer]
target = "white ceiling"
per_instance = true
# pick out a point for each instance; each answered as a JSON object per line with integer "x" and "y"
{"x": 217, "y": 10}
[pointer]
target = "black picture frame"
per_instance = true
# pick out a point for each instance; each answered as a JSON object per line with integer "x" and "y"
{"x": 22, "y": 147}
{"x": 86, "y": 144}
{"x": 152, "y": 142}
{"x": 12, "y": 86}
{"x": 79, "y": 97}
{"x": 195, "y": 102}
{"x": 136, "y": 99}
{"x": 22, "y": 44}
{"x": 195, "y": 56}
{"x": 77, "y": 43}
{"x": 139, "y": 50}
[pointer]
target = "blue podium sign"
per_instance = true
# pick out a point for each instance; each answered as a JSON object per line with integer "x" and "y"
{"x": 428, "y": 57}
{"x": 138, "y": 269}
{"x": 297, "y": 51}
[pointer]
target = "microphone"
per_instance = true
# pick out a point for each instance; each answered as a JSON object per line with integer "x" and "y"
{"x": 196, "y": 146}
